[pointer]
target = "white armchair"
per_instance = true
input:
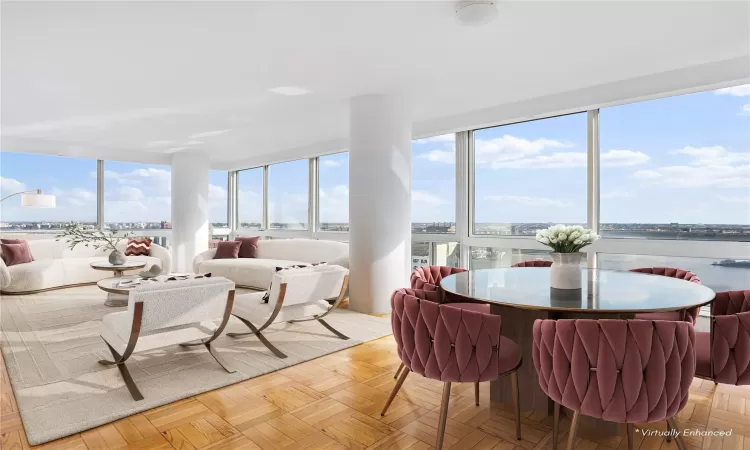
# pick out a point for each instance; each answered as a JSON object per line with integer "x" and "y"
{"x": 167, "y": 313}
{"x": 296, "y": 295}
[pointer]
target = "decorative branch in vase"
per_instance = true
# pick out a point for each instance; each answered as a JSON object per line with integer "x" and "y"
{"x": 75, "y": 234}
{"x": 566, "y": 243}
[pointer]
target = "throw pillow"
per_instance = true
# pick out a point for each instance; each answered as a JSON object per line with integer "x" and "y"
{"x": 14, "y": 241}
{"x": 249, "y": 247}
{"x": 227, "y": 250}
{"x": 138, "y": 247}
{"x": 16, "y": 254}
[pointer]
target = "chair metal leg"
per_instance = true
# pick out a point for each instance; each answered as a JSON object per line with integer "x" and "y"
{"x": 573, "y": 431}
{"x": 120, "y": 363}
{"x": 516, "y": 402}
{"x": 629, "y": 430}
{"x": 260, "y": 337}
{"x": 219, "y": 359}
{"x": 443, "y": 418}
{"x": 338, "y": 334}
{"x": 555, "y": 425}
{"x": 398, "y": 371}
{"x": 677, "y": 437}
{"x": 395, "y": 390}
{"x": 669, "y": 433}
{"x": 476, "y": 393}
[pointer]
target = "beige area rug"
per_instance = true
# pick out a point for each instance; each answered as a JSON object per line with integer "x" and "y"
{"x": 51, "y": 345}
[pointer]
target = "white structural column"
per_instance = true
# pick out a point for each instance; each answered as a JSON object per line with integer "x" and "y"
{"x": 189, "y": 208}
{"x": 379, "y": 200}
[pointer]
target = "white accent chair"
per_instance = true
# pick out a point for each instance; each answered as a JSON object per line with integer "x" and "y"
{"x": 296, "y": 295}
{"x": 167, "y": 313}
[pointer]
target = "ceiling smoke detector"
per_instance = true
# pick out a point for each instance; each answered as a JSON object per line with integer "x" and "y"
{"x": 476, "y": 12}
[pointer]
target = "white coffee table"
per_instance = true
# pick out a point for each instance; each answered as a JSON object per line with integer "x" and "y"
{"x": 115, "y": 296}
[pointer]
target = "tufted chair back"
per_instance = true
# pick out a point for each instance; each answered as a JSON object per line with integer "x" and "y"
{"x": 443, "y": 342}
{"x": 533, "y": 263}
{"x": 730, "y": 337}
{"x": 622, "y": 371}
{"x": 431, "y": 275}
{"x": 690, "y": 315}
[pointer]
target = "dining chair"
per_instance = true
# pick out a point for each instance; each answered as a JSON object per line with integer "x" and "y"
{"x": 428, "y": 278}
{"x": 167, "y": 313}
{"x": 687, "y": 315}
{"x": 449, "y": 344}
{"x": 723, "y": 354}
{"x": 533, "y": 263}
{"x": 623, "y": 371}
{"x": 295, "y": 295}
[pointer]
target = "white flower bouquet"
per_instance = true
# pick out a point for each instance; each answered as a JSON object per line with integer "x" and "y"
{"x": 566, "y": 239}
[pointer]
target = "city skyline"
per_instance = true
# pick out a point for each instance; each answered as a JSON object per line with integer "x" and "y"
{"x": 693, "y": 150}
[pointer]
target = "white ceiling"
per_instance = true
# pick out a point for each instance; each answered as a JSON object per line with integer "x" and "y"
{"x": 134, "y": 81}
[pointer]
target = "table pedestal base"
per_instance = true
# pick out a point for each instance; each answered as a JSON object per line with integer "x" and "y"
{"x": 116, "y": 300}
{"x": 518, "y": 325}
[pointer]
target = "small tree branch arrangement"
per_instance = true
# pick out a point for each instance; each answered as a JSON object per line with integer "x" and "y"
{"x": 564, "y": 239}
{"x": 75, "y": 234}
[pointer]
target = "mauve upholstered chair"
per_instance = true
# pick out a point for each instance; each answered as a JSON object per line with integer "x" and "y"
{"x": 623, "y": 371}
{"x": 533, "y": 263}
{"x": 428, "y": 278}
{"x": 687, "y": 315}
{"x": 449, "y": 344}
{"x": 723, "y": 354}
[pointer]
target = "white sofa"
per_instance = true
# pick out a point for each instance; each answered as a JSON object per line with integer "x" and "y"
{"x": 55, "y": 265}
{"x": 256, "y": 273}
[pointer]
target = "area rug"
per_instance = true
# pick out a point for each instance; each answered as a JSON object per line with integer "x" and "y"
{"x": 51, "y": 345}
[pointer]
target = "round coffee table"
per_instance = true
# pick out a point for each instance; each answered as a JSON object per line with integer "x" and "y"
{"x": 115, "y": 296}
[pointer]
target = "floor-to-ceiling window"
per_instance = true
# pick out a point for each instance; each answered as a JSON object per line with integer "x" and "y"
{"x": 250, "y": 198}
{"x": 288, "y": 189}
{"x": 333, "y": 192}
{"x": 137, "y": 196}
{"x": 433, "y": 185}
{"x": 71, "y": 180}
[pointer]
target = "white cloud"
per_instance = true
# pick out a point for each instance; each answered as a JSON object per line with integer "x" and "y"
{"x": 745, "y": 110}
{"x": 735, "y": 91}
{"x": 714, "y": 155}
{"x": 614, "y": 158}
{"x": 496, "y": 153}
{"x": 735, "y": 199}
{"x": 331, "y": 163}
{"x": 528, "y": 201}
{"x": 615, "y": 194}
{"x": 11, "y": 186}
{"x": 432, "y": 139}
{"x": 424, "y": 198}
{"x": 440, "y": 156}
{"x": 334, "y": 204}
{"x": 697, "y": 177}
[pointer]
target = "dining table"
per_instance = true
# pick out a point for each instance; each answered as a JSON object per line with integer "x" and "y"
{"x": 522, "y": 295}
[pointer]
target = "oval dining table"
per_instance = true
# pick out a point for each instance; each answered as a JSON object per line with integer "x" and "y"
{"x": 522, "y": 295}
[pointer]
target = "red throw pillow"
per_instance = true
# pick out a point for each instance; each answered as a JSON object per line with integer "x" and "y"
{"x": 227, "y": 250}
{"x": 138, "y": 247}
{"x": 249, "y": 247}
{"x": 14, "y": 241}
{"x": 16, "y": 253}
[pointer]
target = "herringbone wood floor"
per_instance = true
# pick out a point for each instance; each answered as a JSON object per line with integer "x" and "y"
{"x": 334, "y": 403}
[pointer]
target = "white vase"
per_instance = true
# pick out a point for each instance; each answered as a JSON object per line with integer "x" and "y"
{"x": 565, "y": 272}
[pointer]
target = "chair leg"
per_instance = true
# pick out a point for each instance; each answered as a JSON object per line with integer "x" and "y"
{"x": 573, "y": 431}
{"x": 555, "y": 425}
{"x": 669, "y": 433}
{"x": 629, "y": 430}
{"x": 260, "y": 337}
{"x": 219, "y": 359}
{"x": 476, "y": 393}
{"x": 677, "y": 437}
{"x": 338, "y": 334}
{"x": 395, "y": 390}
{"x": 398, "y": 371}
{"x": 120, "y": 363}
{"x": 516, "y": 402}
{"x": 443, "y": 418}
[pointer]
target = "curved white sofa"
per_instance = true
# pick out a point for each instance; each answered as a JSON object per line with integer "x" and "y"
{"x": 256, "y": 273}
{"x": 55, "y": 266}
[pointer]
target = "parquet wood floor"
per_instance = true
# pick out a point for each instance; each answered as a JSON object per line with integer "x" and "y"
{"x": 334, "y": 403}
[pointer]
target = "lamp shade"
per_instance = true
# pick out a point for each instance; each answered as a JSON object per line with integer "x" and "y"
{"x": 34, "y": 200}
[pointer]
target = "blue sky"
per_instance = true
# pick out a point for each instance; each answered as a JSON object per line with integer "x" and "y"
{"x": 682, "y": 159}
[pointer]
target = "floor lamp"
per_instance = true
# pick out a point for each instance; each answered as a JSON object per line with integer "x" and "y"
{"x": 34, "y": 199}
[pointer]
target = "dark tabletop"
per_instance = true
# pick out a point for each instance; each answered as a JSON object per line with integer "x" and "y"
{"x": 602, "y": 290}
